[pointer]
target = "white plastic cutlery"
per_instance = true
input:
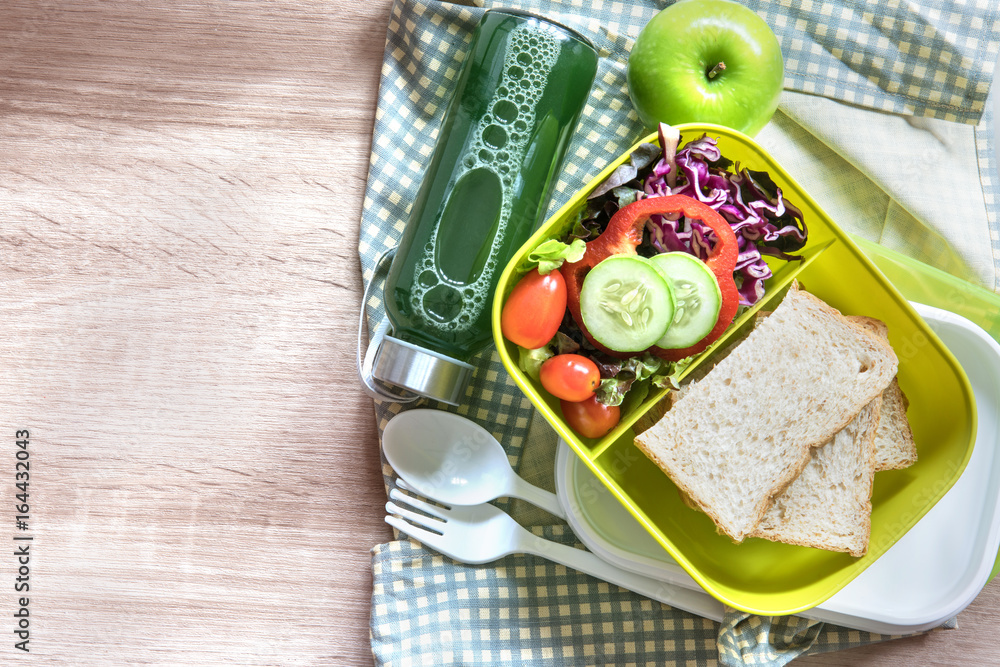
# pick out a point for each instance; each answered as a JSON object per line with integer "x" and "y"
{"x": 447, "y": 457}
{"x": 484, "y": 533}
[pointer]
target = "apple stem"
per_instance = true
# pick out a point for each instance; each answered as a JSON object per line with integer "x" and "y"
{"x": 714, "y": 72}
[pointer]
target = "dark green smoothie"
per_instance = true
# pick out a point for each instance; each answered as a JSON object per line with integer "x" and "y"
{"x": 517, "y": 102}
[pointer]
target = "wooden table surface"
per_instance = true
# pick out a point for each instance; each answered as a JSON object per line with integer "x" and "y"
{"x": 180, "y": 191}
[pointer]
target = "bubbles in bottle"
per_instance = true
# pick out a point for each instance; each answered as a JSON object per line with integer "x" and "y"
{"x": 495, "y": 136}
{"x": 443, "y": 304}
{"x": 531, "y": 54}
{"x": 505, "y": 110}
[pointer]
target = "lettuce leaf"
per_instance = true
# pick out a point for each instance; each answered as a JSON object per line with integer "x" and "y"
{"x": 530, "y": 361}
{"x": 624, "y": 375}
{"x": 551, "y": 254}
{"x": 634, "y": 377}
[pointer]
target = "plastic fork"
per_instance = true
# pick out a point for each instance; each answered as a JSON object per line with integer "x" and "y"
{"x": 484, "y": 533}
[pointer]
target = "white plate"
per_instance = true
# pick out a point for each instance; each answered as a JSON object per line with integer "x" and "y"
{"x": 927, "y": 577}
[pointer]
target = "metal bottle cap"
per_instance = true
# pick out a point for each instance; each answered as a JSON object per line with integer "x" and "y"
{"x": 422, "y": 371}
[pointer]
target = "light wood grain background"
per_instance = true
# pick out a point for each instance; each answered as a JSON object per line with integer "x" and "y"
{"x": 180, "y": 191}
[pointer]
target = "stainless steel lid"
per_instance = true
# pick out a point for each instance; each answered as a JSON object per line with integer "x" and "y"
{"x": 422, "y": 371}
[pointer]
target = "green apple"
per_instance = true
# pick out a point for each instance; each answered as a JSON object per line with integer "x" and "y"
{"x": 706, "y": 61}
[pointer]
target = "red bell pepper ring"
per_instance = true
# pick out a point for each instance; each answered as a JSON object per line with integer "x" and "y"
{"x": 624, "y": 234}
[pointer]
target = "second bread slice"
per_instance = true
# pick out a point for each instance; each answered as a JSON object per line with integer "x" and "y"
{"x": 828, "y": 506}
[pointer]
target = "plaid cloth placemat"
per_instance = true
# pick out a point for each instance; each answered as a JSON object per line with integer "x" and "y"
{"x": 930, "y": 58}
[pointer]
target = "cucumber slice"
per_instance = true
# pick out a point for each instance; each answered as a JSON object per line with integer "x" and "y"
{"x": 625, "y": 303}
{"x": 697, "y": 294}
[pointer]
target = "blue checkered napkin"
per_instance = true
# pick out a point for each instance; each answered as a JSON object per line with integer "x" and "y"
{"x": 925, "y": 57}
{"x": 427, "y": 609}
{"x": 522, "y": 610}
{"x": 988, "y": 169}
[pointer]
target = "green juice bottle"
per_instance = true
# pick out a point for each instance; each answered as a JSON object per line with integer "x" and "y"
{"x": 506, "y": 130}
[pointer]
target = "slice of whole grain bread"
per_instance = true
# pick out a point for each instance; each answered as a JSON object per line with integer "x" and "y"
{"x": 894, "y": 445}
{"x": 741, "y": 435}
{"x": 828, "y": 506}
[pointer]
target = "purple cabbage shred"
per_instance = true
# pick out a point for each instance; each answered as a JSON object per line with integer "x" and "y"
{"x": 764, "y": 223}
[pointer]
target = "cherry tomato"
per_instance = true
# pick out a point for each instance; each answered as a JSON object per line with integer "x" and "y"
{"x": 534, "y": 310}
{"x": 571, "y": 377}
{"x": 591, "y": 418}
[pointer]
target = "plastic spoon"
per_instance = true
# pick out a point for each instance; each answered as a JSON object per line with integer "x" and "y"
{"x": 453, "y": 460}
